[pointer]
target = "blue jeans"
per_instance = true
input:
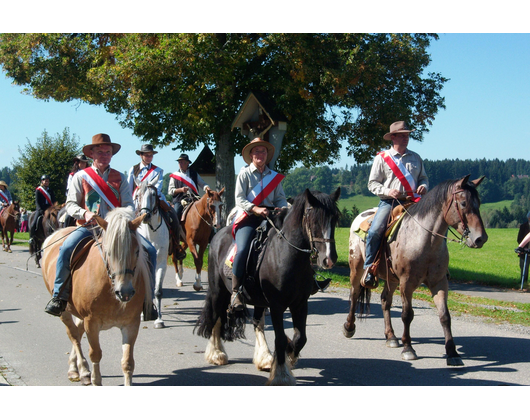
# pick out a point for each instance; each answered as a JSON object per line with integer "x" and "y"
{"x": 62, "y": 268}
{"x": 244, "y": 235}
{"x": 377, "y": 230}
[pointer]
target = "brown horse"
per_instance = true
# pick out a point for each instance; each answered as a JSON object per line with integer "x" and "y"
{"x": 417, "y": 255}
{"x": 8, "y": 222}
{"x": 48, "y": 225}
{"x": 200, "y": 219}
{"x": 109, "y": 284}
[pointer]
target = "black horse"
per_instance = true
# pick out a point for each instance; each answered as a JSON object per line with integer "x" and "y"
{"x": 46, "y": 226}
{"x": 283, "y": 278}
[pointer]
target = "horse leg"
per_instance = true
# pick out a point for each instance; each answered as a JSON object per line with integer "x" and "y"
{"x": 95, "y": 353}
{"x": 160, "y": 274}
{"x": 129, "y": 335}
{"x": 215, "y": 353}
{"x": 407, "y": 315}
{"x": 198, "y": 260}
{"x": 299, "y": 315}
{"x": 280, "y": 371}
{"x": 386, "y": 304}
{"x": 439, "y": 293}
{"x": 10, "y": 242}
{"x": 356, "y": 272}
{"x": 78, "y": 366}
{"x": 262, "y": 355}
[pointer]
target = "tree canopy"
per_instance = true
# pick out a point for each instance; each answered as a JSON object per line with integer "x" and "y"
{"x": 185, "y": 89}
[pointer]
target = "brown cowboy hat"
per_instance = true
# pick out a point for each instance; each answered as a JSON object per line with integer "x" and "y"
{"x": 257, "y": 142}
{"x": 100, "y": 140}
{"x": 397, "y": 127}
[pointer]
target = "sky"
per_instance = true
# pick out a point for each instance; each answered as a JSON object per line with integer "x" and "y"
{"x": 487, "y": 108}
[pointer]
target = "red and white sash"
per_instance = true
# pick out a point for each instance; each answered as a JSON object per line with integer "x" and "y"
{"x": 4, "y": 197}
{"x": 402, "y": 173}
{"x": 46, "y": 195}
{"x": 259, "y": 193}
{"x": 146, "y": 176}
{"x": 186, "y": 180}
{"x": 100, "y": 186}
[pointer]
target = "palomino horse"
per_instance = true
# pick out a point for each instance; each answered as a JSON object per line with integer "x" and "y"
{"x": 419, "y": 254}
{"x": 109, "y": 285}
{"x": 201, "y": 218}
{"x": 48, "y": 225}
{"x": 283, "y": 279}
{"x": 8, "y": 223}
{"x": 155, "y": 230}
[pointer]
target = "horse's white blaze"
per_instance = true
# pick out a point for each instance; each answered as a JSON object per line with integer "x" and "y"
{"x": 327, "y": 235}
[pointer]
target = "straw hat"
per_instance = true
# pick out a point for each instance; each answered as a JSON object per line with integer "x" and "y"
{"x": 257, "y": 142}
{"x": 396, "y": 128}
{"x": 4, "y": 184}
{"x": 100, "y": 140}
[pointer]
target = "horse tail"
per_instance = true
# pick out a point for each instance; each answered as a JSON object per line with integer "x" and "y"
{"x": 363, "y": 303}
{"x": 206, "y": 322}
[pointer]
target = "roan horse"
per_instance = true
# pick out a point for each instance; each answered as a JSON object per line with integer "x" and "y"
{"x": 283, "y": 279}
{"x": 417, "y": 255}
{"x": 49, "y": 224}
{"x": 109, "y": 285}
{"x": 200, "y": 219}
{"x": 8, "y": 223}
{"x": 155, "y": 230}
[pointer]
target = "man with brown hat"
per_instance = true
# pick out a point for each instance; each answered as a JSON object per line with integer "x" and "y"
{"x": 397, "y": 175}
{"x": 94, "y": 190}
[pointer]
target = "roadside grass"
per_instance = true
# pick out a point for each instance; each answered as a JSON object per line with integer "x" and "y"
{"x": 496, "y": 264}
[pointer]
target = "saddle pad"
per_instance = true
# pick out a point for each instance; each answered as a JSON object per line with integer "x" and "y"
{"x": 362, "y": 222}
{"x": 81, "y": 249}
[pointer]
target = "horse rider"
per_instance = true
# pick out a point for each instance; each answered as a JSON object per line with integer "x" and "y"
{"x": 184, "y": 180}
{"x": 524, "y": 230}
{"x": 146, "y": 171}
{"x": 258, "y": 188}
{"x": 94, "y": 190}
{"x": 397, "y": 175}
{"x": 44, "y": 198}
{"x": 5, "y": 195}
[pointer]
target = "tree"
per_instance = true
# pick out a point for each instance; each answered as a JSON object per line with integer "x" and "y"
{"x": 185, "y": 89}
{"x": 52, "y": 156}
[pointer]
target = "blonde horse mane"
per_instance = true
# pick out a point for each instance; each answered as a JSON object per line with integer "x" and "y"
{"x": 117, "y": 241}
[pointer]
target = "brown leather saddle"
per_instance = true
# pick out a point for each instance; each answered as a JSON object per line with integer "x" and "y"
{"x": 392, "y": 224}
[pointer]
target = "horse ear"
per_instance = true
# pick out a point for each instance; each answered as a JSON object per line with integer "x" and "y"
{"x": 154, "y": 180}
{"x": 137, "y": 182}
{"x": 101, "y": 222}
{"x": 335, "y": 196}
{"x": 310, "y": 198}
{"x": 462, "y": 181}
{"x": 134, "y": 224}
{"x": 477, "y": 182}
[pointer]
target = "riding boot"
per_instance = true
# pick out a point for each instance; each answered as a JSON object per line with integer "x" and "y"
{"x": 369, "y": 280}
{"x": 236, "y": 302}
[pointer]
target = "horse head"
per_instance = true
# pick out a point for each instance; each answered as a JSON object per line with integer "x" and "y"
{"x": 463, "y": 212}
{"x": 146, "y": 198}
{"x": 214, "y": 206}
{"x": 122, "y": 252}
{"x": 321, "y": 215}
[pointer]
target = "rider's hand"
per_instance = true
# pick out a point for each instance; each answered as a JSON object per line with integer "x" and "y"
{"x": 394, "y": 193}
{"x": 421, "y": 190}
{"x": 89, "y": 217}
{"x": 260, "y": 211}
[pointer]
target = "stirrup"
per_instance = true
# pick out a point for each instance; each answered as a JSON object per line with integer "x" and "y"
{"x": 236, "y": 303}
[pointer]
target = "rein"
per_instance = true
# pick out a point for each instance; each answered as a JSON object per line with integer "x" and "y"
{"x": 154, "y": 211}
{"x": 207, "y": 211}
{"x": 313, "y": 250}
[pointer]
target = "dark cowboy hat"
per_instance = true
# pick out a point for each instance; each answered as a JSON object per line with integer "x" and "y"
{"x": 184, "y": 156}
{"x": 81, "y": 158}
{"x": 100, "y": 140}
{"x": 146, "y": 148}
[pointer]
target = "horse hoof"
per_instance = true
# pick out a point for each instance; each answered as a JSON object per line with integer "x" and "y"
{"x": 85, "y": 380}
{"x": 409, "y": 355}
{"x": 9, "y": 251}
{"x": 198, "y": 288}
{"x": 455, "y": 361}
{"x": 179, "y": 283}
{"x": 347, "y": 333}
{"x": 392, "y": 343}
{"x": 73, "y": 376}
{"x": 159, "y": 325}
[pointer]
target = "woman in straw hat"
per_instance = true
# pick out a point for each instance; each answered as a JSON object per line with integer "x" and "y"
{"x": 258, "y": 189}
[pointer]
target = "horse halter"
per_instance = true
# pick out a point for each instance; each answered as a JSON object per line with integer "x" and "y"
{"x": 466, "y": 231}
{"x": 313, "y": 240}
{"x": 154, "y": 211}
{"x": 103, "y": 253}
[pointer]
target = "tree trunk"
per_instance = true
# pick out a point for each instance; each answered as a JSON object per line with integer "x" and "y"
{"x": 225, "y": 172}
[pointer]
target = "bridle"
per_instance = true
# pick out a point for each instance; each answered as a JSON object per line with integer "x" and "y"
{"x": 466, "y": 231}
{"x": 312, "y": 240}
{"x": 151, "y": 211}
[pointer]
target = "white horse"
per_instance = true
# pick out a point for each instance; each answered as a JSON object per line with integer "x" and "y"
{"x": 155, "y": 230}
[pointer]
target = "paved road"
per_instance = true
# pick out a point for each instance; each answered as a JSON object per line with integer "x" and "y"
{"x": 34, "y": 346}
